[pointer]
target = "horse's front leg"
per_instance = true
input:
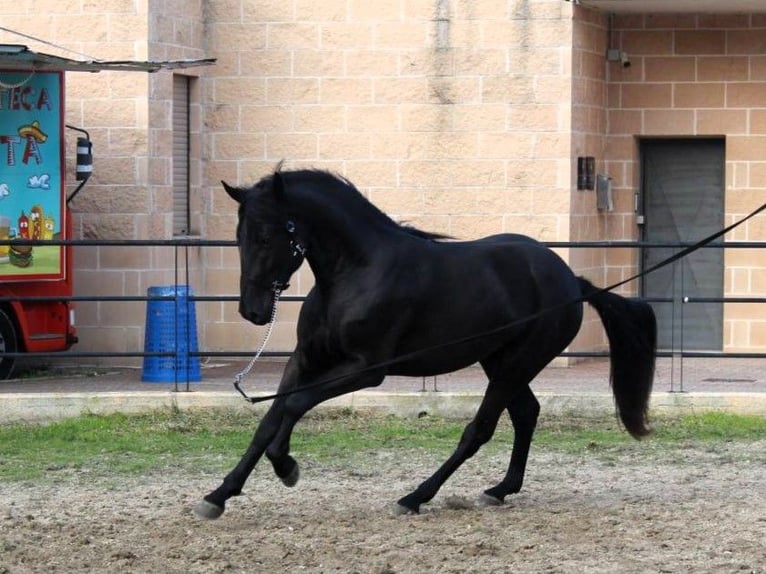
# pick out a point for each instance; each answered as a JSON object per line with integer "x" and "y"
{"x": 303, "y": 400}
{"x": 274, "y": 430}
{"x": 214, "y": 504}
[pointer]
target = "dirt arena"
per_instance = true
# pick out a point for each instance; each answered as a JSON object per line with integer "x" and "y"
{"x": 643, "y": 510}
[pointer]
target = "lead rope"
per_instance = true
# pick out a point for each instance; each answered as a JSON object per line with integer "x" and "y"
{"x": 244, "y": 372}
{"x": 683, "y": 253}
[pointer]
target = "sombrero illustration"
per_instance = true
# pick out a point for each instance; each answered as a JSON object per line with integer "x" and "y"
{"x": 33, "y": 130}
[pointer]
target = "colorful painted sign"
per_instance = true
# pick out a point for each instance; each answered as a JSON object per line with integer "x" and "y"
{"x": 32, "y": 188}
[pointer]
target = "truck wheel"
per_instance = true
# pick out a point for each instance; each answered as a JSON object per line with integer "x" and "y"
{"x": 8, "y": 344}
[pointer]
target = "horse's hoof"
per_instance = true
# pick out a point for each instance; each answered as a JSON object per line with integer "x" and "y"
{"x": 292, "y": 477}
{"x": 489, "y": 500}
{"x": 207, "y": 510}
{"x": 401, "y": 510}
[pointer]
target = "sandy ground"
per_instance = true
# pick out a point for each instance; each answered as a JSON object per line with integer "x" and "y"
{"x": 644, "y": 510}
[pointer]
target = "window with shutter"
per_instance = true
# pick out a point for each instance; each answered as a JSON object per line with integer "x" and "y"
{"x": 181, "y": 207}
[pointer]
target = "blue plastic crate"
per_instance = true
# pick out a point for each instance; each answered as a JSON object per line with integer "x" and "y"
{"x": 171, "y": 326}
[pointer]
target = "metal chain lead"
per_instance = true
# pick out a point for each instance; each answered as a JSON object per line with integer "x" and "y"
{"x": 244, "y": 372}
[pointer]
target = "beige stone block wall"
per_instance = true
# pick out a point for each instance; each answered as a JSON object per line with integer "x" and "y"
{"x": 456, "y": 122}
{"x": 112, "y": 108}
{"x": 699, "y": 75}
{"x": 465, "y": 122}
{"x": 588, "y": 138}
{"x": 127, "y": 116}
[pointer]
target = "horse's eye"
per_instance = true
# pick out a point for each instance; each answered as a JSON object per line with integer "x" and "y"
{"x": 263, "y": 239}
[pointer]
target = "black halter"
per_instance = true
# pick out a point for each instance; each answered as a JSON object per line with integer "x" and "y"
{"x": 297, "y": 249}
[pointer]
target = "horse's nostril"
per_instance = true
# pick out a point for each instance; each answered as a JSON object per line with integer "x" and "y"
{"x": 246, "y": 314}
{"x": 252, "y": 316}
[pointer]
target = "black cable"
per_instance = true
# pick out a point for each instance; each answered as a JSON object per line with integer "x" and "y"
{"x": 508, "y": 326}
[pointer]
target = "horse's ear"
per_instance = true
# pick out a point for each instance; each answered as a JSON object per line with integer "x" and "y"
{"x": 278, "y": 186}
{"x": 236, "y": 193}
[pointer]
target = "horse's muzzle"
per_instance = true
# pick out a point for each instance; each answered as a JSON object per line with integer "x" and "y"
{"x": 255, "y": 317}
{"x": 257, "y": 313}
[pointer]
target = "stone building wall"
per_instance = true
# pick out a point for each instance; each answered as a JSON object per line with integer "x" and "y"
{"x": 697, "y": 75}
{"x": 459, "y": 117}
{"x": 453, "y": 116}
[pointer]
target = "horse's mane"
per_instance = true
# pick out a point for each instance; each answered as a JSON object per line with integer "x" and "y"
{"x": 421, "y": 233}
{"x": 356, "y": 201}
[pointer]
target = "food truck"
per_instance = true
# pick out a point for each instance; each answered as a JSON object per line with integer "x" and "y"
{"x": 33, "y": 209}
{"x": 36, "y": 279}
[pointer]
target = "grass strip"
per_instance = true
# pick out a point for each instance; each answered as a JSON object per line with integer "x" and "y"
{"x": 212, "y": 441}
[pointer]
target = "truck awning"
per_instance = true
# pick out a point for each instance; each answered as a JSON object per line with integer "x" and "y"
{"x": 21, "y": 58}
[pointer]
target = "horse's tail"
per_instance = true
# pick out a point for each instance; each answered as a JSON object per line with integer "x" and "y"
{"x": 631, "y": 328}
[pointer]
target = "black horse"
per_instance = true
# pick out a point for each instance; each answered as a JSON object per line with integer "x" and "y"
{"x": 393, "y": 300}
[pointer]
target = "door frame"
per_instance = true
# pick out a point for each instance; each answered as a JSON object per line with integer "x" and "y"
{"x": 642, "y": 214}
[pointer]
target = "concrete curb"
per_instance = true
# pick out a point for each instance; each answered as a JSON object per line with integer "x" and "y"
{"x": 40, "y": 407}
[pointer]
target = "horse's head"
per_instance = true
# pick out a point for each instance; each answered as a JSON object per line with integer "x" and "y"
{"x": 269, "y": 248}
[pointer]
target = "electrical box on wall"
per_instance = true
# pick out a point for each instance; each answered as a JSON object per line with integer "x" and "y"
{"x": 604, "y": 193}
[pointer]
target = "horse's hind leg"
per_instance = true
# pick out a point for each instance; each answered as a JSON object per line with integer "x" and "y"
{"x": 523, "y": 409}
{"x": 478, "y": 432}
{"x": 516, "y": 369}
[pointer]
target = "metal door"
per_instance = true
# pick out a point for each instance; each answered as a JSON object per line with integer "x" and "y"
{"x": 683, "y": 202}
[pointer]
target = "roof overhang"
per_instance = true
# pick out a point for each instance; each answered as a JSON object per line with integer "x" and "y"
{"x": 21, "y": 58}
{"x": 676, "y": 6}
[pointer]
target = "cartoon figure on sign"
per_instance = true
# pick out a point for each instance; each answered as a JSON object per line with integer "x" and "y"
{"x": 5, "y": 235}
{"x": 23, "y": 226}
{"x": 21, "y": 255}
{"x": 48, "y": 228}
{"x": 36, "y": 217}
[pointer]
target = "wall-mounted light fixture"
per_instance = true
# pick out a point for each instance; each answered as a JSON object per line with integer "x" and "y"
{"x": 586, "y": 172}
{"x": 84, "y": 166}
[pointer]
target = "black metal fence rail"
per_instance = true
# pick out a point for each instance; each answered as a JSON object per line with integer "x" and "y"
{"x": 186, "y": 243}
